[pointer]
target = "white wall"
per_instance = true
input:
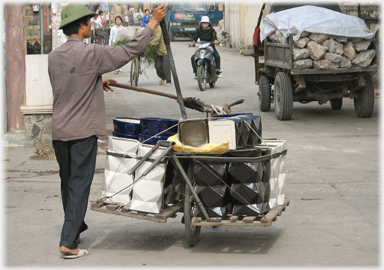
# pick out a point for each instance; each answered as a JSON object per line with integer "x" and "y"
{"x": 240, "y": 20}
{"x": 38, "y": 94}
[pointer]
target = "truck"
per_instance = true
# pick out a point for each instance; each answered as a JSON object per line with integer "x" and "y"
{"x": 183, "y": 17}
{"x": 282, "y": 84}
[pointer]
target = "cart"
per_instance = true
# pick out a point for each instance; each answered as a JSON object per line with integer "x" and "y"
{"x": 195, "y": 215}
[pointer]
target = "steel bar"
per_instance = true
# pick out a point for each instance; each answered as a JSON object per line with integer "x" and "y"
{"x": 173, "y": 68}
{"x": 186, "y": 179}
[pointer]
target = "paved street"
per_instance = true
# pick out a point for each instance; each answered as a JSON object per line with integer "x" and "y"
{"x": 332, "y": 182}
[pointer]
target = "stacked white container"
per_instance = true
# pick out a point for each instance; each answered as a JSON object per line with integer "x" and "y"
{"x": 121, "y": 157}
{"x": 147, "y": 192}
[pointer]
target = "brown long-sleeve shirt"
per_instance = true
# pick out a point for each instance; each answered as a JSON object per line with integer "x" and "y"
{"x": 75, "y": 70}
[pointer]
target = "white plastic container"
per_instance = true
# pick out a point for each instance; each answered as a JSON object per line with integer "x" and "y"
{"x": 147, "y": 192}
{"x": 221, "y": 132}
{"x": 121, "y": 145}
{"x": 116, "y": 178}
{"x": 278, "y": 172}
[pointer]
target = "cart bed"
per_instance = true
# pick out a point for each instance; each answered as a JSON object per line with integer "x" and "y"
{"x": 116, "y": 209}
{"x": 247, "y": 221}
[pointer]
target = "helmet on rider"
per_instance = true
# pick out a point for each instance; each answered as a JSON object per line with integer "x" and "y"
{"x": 205, "y": 21}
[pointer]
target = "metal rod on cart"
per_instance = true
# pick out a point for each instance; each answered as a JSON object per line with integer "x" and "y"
{"x": 186, "y": 179}
{"x": 144, "y": 158}
{"x": 157, "y": 161}
{"x": 173, "y": 68}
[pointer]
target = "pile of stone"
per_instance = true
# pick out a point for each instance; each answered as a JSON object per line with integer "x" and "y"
{"x": 323, "y": 51}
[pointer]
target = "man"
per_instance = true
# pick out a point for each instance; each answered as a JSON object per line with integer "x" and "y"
{"x": 78, "y": 115}
{"x": 162, "y": 63}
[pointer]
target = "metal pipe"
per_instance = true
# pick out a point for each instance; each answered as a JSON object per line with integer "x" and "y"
{"x": 173, "y": 68}
{"x": 186, "y": 179}
{"x": 144, "y": 158}
{"x": 41, "y": 29}
{"x": 48, "y": 17}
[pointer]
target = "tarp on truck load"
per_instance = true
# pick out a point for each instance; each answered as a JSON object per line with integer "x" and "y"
{"x": 315, "y": 20}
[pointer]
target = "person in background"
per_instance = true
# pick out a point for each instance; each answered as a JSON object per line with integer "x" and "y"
{"x": 101, "y": 16}
{"x": 95, "y": 23}
{"x": 162, "y": 63}
{"x": 205, "y": 32}
{"x": 144, "y": 21}
{"x": 78, "y": 114}
{"x": 113, "y": 35}
{"x": 126, "y": 20}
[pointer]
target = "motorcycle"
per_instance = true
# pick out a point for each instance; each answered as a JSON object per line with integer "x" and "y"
{"x": 205, "y": 64}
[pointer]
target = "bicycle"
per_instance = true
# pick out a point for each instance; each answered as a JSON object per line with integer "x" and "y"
{"x": 136, "y": 70}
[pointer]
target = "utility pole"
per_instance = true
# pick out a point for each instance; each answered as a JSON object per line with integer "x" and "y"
{"x": 15, "y": 73}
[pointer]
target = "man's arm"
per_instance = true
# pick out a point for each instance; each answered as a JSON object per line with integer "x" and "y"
{"x": 157, "y": 16}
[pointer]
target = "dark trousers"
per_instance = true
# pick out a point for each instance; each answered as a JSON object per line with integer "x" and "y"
{"x": 215, "y": 54}
{"x": 163, "y": 67}
{"x": 77, "y": 161}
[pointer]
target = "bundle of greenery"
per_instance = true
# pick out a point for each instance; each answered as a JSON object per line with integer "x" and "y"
{"x": 148, "y": 56}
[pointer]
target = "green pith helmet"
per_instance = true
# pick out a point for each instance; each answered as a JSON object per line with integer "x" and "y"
{"x": 73, "y": 12}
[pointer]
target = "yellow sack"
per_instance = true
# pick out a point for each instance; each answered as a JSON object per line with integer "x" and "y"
{"x": 206, "y": 148}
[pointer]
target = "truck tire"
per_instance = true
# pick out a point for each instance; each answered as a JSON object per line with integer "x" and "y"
{"x": 364, "y": 103}
{"x": 336, "y": 103}
{"x": 283, "y": 96}
{"x": 171, "y": 35}
{"x": 264, "y": 94}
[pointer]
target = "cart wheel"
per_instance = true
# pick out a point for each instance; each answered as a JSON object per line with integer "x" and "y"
{"x": 365, "y": 102}
{"x": 171, "y": 36}
{"x": 283, "y": 96}
{"x": 336, "y": 103}
{"x": 134, "y": 72}
{"x": 264, "y": 94}
{"x": 192, "y": 233}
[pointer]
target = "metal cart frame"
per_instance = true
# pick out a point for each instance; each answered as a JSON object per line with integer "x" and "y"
{"x": 191, "y": 204}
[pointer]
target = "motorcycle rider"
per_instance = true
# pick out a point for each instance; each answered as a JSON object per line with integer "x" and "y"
{"x": 206, "y": 33}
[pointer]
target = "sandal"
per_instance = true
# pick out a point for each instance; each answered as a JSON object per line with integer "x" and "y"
{"x": 82, "y": 252}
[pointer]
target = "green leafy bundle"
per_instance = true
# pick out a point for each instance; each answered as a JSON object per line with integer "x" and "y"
{"x": 148, "y": 56}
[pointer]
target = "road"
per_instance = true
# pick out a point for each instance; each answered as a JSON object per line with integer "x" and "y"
{"x": 332, "y": 182}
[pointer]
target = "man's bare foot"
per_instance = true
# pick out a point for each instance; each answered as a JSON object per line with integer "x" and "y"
{"x": 69, "y": 251}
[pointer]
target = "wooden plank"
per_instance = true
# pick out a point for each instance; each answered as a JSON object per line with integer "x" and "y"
{"x": 233, "y": 219}
{"x": 197, "y": 219}
{"x": 249, "y": 219}
{"x": 96, "y": 204}
{"x": 111, "y": 207}
{"x": 215, "y": 219}
{"x": 227, "y": 222}
{"x": 168, "y": 212}
{"x": 272, "y": 215}
{"x": 128, "y": 214}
